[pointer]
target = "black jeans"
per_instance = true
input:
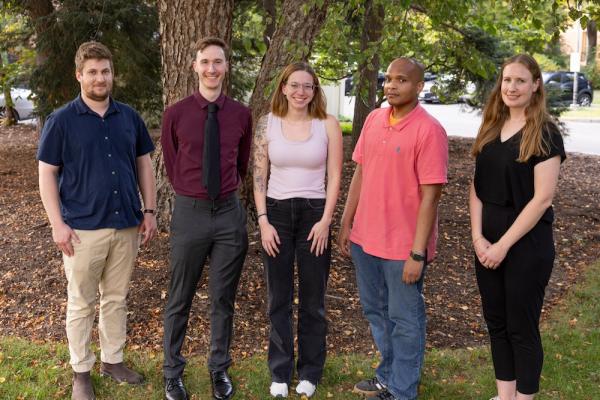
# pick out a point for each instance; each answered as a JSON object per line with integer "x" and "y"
{"x": 201, "y": 229}
{"x": 293, "y": 219}
{"x": 512, "y": 297}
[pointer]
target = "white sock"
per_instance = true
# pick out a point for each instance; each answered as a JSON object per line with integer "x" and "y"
{"x": 279, "y": 389}
{"x": 306, "y": 388}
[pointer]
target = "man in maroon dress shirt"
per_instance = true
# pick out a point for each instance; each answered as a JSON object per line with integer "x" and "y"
{"x": 208, "y": 220}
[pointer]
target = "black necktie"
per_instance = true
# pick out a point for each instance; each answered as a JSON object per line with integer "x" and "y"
{"x": 211, "y": 160}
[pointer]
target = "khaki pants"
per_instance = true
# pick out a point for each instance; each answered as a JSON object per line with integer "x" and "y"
{"x": 103, "y": 260}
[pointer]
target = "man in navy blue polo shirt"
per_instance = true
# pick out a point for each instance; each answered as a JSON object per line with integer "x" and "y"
{"x": 94, "y": 153}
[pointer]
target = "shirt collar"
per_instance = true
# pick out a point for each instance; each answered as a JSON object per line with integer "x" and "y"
{"x": 407, "y": 118}
{"x": 83, "y": 108}
{"x": 220, "y": 101}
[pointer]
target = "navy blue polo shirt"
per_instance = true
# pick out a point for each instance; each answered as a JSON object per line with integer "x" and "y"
{"x": 98, "y": 185}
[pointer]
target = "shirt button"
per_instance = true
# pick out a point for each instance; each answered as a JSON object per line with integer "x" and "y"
{"x": 116, "y": 191}
{"x": 116, "y": 212}
{"x": 110, "y": 155}
{"x": 113, "y": 172}
{"x": 105, "y": 137}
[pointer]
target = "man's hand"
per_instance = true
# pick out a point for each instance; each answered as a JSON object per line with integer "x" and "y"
{"x": 412, "y": 271}
{"x": 343, "y": 240}
{"x": 148, "y": 227}
{"x": 63, "y": 236}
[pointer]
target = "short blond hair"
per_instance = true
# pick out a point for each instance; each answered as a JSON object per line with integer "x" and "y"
{"x": 92, "y": 50}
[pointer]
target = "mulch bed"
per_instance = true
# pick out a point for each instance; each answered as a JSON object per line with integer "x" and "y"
{"x": 33, "y": 286}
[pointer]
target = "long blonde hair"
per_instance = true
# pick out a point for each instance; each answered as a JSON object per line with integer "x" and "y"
{"x": 537, "y": 119}
{"x": 317, "y": 107}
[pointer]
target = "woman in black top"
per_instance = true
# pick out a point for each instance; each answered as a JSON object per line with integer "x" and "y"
{"x": 518, "y": 154}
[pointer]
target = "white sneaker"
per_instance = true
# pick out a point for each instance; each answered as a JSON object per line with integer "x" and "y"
{"x": 279, "y": 389}
{"x": 306, "y": 388}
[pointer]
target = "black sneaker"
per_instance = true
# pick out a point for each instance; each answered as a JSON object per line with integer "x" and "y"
{"x": 369, "y": 387}
{"x": 383, "y": 395}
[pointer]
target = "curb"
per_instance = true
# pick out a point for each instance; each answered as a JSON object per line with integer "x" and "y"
{"x": 587, "y": 120}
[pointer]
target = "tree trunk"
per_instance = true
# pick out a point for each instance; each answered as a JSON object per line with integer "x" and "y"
{"x": 182, "y": 23}
{"x": 40, "y": 13}
{"x": 366, "y": 87}
{"x": 270, "y": 8}
{"x": 592, "y": 42}
{"x": 7, "y": 115}
{"x": 292, "y": 41}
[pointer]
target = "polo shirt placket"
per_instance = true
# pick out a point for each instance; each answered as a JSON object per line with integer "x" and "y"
{"x": 115, "y": 200}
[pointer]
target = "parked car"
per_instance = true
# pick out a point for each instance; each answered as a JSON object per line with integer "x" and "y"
{"x": 559, "y": 88}
{"x": 24, "y": 106}
{"x": 448, "y": 85}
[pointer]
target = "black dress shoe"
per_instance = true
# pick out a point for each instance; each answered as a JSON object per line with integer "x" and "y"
{"x": 222, "y": 387}
{"x": 174, "y": 389}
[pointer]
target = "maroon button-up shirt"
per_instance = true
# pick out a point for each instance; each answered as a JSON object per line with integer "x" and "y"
{"x": 182, "y": 140}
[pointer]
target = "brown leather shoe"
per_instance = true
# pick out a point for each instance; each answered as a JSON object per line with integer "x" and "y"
{"x": 121, "y": 373}
{"x": 82, "y": 386}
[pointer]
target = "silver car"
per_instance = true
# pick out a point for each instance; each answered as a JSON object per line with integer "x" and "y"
{"x": 24, "y": 106}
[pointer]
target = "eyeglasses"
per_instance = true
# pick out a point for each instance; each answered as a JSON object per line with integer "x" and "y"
{"x": 308, "y": 87}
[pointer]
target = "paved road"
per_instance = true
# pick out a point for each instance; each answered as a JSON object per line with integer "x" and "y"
{"x": 460, "y": 120}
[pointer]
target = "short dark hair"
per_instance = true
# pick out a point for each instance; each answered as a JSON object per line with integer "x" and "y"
{"x": 92, "y": 50}
{"x": 203, "y": 43}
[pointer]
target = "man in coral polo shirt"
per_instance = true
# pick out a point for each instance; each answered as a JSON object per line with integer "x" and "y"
{"x": 389, "y": 226}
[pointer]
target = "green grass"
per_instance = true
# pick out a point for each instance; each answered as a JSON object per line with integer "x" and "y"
{"x": 591, "y": 112}
{"x": 346, "y": 127}
{"x": 571, "y": 369}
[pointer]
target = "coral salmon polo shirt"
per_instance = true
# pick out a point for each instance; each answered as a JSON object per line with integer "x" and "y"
{"x": 395, "y": 160}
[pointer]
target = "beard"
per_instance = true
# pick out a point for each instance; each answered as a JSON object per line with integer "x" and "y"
{"x": 93, "y": 95}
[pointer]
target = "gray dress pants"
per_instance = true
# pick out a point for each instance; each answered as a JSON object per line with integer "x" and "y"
{"x": 202, "y": 229}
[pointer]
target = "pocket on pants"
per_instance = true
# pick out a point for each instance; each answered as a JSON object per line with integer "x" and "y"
{"x": 316, "y": 204}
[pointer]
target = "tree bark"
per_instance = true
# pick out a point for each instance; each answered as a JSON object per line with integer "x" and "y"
{"x": 182, "y": 23}
{"x": 40, "y": 13}
{"x": 592, "y": 42}
{"x": 366, "y": 88}
{"x": 292, "y": 41}
{"x": 270, "y": 8}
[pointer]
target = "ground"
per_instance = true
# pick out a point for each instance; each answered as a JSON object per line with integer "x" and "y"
{"x": 33, "y": 286}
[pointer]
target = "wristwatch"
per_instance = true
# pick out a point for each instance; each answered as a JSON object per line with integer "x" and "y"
{"x": 416, "y": 256}
{"x": 149, "y": 211}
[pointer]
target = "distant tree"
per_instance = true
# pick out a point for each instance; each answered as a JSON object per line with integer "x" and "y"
{"x": 368, "y": 70}
{"x": 16, "y": 59}
{"x": 128, "y": 27}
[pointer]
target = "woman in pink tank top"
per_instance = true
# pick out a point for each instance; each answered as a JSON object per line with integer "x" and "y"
{"x": 296, "y": 146}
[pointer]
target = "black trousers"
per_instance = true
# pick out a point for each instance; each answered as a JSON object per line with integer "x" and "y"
{"x": 293, "y": 219}
{"x": 512, "y": 297}
{"x": 201, "y": 229}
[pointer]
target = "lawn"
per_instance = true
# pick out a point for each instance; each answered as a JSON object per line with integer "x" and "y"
{"x": 571, "y": 370}
{"x": 591, "y": 112}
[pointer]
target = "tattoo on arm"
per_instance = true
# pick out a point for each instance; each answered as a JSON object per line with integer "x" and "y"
{"x": 260, "y": 155}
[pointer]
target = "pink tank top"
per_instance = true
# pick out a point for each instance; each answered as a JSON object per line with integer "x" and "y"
{"x": 297, "y": 167}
